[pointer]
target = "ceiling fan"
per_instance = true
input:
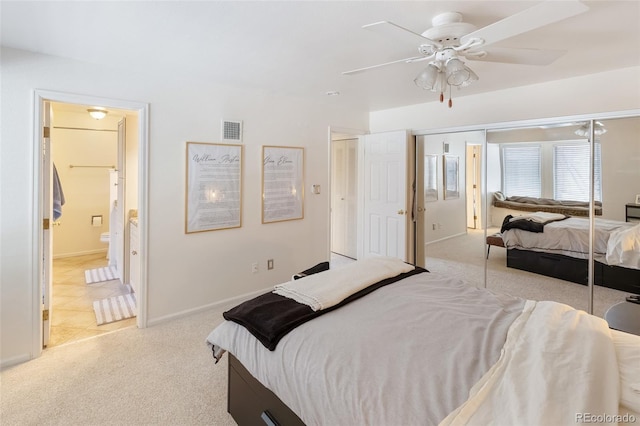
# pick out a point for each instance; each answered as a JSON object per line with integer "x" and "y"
{"x": 451, "y": 39}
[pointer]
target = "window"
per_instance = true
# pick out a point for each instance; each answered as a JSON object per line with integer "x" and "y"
{"x": 521, "y": 170}
{"x": 571, "y": 172}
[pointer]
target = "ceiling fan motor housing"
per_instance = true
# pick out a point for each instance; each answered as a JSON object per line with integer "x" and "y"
{"x": 448, "y": 28}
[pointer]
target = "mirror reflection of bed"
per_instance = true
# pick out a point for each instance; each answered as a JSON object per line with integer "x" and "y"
{"x": 617, "y": 154}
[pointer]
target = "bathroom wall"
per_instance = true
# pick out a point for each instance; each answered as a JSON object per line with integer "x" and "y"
{"x": 86, "y": 189}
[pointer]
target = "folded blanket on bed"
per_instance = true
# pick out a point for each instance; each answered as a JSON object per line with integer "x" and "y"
{"x": 533, "y": 222}
{"x": 322, "y": 291}
{"x": 540, "y": 217}
{"x": 540, "y": 375}
{"x": 270, "y": 317}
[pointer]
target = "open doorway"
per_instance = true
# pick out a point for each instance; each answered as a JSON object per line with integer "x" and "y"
{"x": 90, "y": 272}
{"x": 90, "y": 192}
{"x": 344, "y": 193}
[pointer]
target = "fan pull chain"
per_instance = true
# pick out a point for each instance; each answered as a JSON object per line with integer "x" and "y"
{"x": 450, "y": 101}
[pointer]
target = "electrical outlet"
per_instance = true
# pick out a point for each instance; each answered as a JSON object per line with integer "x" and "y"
{"x": 254, "y": 268}
{"x": 270, "y": 264}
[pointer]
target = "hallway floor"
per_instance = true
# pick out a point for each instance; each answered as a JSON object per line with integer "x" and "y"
{"x": 72, "y": 316}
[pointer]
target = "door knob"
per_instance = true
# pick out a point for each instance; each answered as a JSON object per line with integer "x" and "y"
{"x": 420, "y": 209}
{"x": 400, "y": 211}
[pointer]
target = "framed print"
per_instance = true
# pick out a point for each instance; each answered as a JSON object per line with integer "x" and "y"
{"x": 213, "y": 187}
{"x": 430, "y": 178}
{"x": 637, "y": 198}
{"x": 282, "y": 183}
{"x": 451, "y": 188}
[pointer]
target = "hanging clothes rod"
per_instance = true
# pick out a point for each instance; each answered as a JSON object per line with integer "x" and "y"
{"x": 71, "y": 166}
{"x": 84, "y": 128}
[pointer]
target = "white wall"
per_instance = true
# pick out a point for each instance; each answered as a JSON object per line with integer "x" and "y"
{"x": 186, "y": 272}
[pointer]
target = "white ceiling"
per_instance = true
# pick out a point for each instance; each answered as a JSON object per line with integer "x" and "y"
{"x": 300, "y": 48}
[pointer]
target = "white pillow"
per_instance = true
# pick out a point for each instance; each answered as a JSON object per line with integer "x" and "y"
{"x": 499, "y": 195}
{"x": 628, "y": 353}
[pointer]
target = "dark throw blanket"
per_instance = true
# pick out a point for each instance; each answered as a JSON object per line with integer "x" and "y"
{"x": 525, "y": 224}
{"x": 269, "y": 317}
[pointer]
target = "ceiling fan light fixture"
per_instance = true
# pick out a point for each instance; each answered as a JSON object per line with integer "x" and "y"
{"x": 472, "y": 77}
{"x": 457, "y": 72}
{"x": 428, "y": 78}
{"x": 585, "y": 130}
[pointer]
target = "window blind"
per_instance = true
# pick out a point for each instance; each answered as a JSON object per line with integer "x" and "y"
{"x": 571, "y": 172}
{"x": 521, "y": 170}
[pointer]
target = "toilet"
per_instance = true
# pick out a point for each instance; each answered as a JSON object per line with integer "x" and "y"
{"x": 105, "y": 237}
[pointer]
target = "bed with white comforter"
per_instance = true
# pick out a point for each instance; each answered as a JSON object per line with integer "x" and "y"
{"x": 430, "y": 350}
{"x": 616, "y": 243}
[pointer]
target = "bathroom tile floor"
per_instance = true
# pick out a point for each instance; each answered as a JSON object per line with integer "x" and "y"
{"x": 72, "y": 316}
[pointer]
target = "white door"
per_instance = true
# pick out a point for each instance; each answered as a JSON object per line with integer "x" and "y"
{"x": 344, "y": 192}
{"x": 47, "y": 224}
{"x": 386, "y": 206}
{"x": 118, "y": 236}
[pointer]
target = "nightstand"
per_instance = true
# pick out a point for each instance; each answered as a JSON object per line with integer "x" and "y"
{"x": 632, "y": 212}
{"x": 624, "y": 316}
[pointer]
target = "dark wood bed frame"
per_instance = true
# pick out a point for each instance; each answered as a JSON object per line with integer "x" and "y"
{"x": 574, "y": 270}
{"x": 250, "y": 403}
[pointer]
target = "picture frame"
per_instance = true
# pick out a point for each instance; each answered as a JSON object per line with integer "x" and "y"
{"x": 282, "y": 183}
{"x": 451, "y": 177}
{"x": 430, "y": 178}
{"x": 637, "y": 198}
{"x": 213, "y": 192}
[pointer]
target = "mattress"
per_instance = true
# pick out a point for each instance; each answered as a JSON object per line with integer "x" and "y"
{"x": 429, "y": 349}
{"x": 615, "y": 243}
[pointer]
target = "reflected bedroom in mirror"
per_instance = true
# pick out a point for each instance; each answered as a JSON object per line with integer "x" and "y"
{"x": 540, "y": 182}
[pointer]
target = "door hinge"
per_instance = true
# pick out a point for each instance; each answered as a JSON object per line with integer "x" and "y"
{"x": 45, "y": 315}
{"x": 45, "y": 223}
{"x": 45, "y": 132}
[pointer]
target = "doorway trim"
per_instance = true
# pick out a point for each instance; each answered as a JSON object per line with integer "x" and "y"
{"x": 39, "y": 96}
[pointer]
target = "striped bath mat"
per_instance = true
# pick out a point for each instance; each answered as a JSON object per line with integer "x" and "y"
{"x": 115, "y": 308}
{"x": 108, "y": 273}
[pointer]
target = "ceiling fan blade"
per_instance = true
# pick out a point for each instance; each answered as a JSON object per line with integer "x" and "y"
{"x": 537, "y": 16}
{"x": 406, "y": 60}
{"x": 394, "y": 30}
{"x": 518, "y": 56}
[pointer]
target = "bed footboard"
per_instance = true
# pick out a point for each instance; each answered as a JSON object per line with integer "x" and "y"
{"x": 250, "y": 403}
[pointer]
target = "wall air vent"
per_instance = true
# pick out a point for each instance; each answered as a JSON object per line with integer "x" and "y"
{"x": 232, "y": 130}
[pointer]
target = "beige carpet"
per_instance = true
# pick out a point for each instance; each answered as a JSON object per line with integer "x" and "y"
{"x": 162, "y": 375}
{"x": 165, "y": 375}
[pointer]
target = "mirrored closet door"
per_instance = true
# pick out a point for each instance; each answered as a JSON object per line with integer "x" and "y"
{"x": 450, "y": 231}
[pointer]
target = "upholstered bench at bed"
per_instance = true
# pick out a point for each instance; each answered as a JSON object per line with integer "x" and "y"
{"x": 494, "y": 240}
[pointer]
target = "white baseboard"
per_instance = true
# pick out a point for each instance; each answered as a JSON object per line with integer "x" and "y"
{"x": 80, "y": 253}
{"x": 6, "y": 363}
{"x": 445, "y": 238}
{"x": 225, "y": 304}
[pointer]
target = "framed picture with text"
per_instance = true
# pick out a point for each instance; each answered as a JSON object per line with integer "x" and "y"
{"x": 213, "y": 187}
{"x": 282, "y": 183}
